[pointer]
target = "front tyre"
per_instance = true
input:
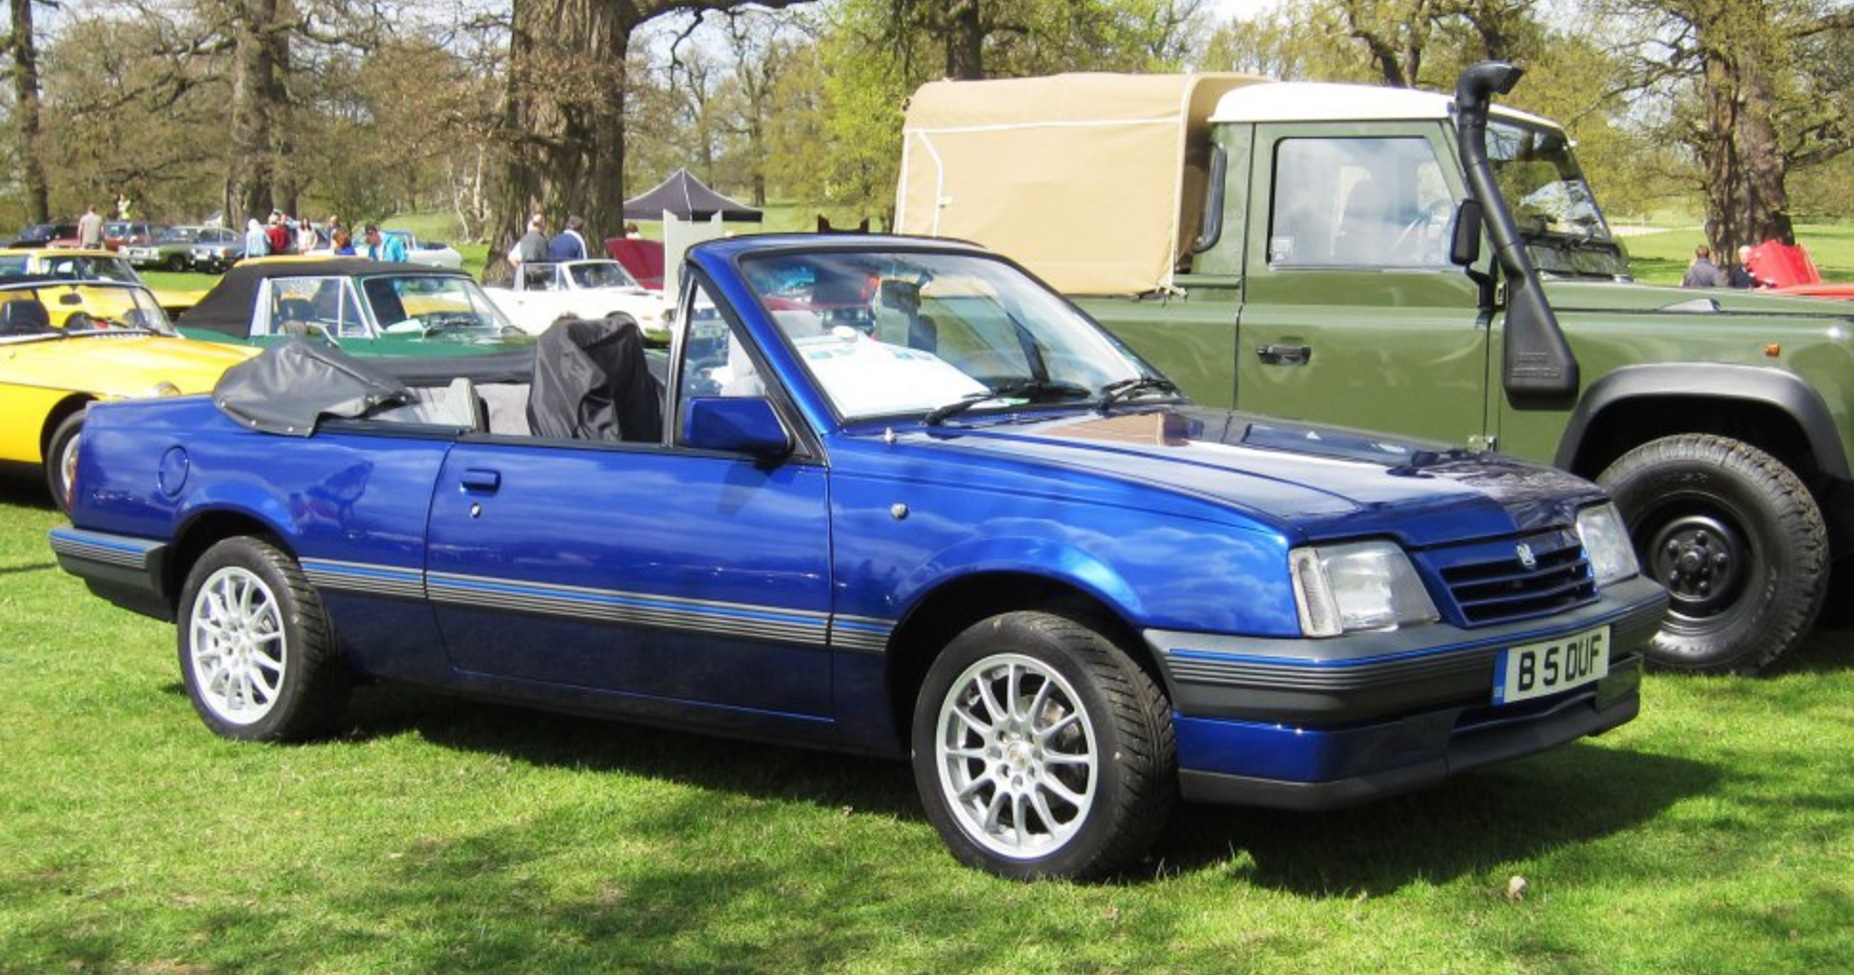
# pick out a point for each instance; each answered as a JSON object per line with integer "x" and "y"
{"x": 1737, "y": 540}
{"x": 1042, "y": 750}
{"x": 257, "y": 655}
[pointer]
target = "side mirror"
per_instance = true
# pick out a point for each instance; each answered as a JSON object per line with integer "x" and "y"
{"x": 1465, "y": 247}
{"x": 735, "y": 424}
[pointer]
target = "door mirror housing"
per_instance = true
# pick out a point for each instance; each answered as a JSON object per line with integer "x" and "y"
{"x": 735, "y": 424}
{"x": 1464, "y": 247}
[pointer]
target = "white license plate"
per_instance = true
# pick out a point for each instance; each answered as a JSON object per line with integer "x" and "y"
{"x": 1538, "y": 669}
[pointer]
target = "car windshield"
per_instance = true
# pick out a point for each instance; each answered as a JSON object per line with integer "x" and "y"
{"x": 1552, "y": 203}
{"x": 179, "y": 235}
{"x": 934, "y": 334}
{"x": 601, "y": 274}
{"x": 76, "y": 308}
{"x": 90, "y": 268}
{"x": 430, "y": 304}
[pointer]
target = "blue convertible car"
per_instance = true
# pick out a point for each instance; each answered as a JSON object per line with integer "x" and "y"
{"x": 885, "y": 495}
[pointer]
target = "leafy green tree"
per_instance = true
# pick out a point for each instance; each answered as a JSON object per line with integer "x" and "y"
{"x": 1748, "y": 98}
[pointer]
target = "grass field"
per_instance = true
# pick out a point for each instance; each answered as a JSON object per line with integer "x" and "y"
{"x": 1662, "y": 257}
{"x": 1713, "y": 835}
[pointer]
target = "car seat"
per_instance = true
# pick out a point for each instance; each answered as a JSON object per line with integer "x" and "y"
{"x": 294, "y": 315}
{"x": 24, "y": 316}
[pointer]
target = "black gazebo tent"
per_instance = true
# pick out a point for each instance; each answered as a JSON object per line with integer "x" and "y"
{"x": 689, "y": 199}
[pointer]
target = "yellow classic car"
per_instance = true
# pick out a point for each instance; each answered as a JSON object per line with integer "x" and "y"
{"x": 66, "y": 344}
{"x": 89, "y": 265}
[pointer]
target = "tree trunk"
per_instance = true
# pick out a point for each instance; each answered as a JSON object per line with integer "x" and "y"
{"x": 563, "y": 125}
{"x": 564, "y": 118}
{"x": 1746, "y": 199}
{"x": 26, "y": 111}
{"x": 965, "y": 41}
{"x": 260, "y": 53}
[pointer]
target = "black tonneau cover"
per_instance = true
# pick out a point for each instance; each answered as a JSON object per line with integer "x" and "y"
{"x": 290, "y": 387}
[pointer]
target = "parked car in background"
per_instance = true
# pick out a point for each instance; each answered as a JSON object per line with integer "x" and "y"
{"x": 91, "y": 265}
{"x": 170, "y": 248}
{"x": 67, "y": 344}
{"x": 960, "y": 525}
{"x": 44, "y": 234}
{"x": 365, "y": 307}
{"x": 217, "y": 249}
{"x": 118, "y": 234}
{"x": 544, "y": 292}
{"x": 420, "y": 252}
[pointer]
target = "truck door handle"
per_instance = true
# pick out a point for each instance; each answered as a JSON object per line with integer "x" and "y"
{"x": 483, "y": 481}
{"x": 1285, "y": 355}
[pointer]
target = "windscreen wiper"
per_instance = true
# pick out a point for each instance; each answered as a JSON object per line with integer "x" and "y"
{"x": 1127, "y": 388}
{"x": 1034, "y": 390}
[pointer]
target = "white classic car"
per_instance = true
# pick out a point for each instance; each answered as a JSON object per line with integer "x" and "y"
{"x": 544, "y": 292}
{"x": 418, "y": 252}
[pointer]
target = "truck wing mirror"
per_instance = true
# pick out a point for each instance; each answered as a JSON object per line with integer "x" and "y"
{"x": 735, "y": 424}
{"x": 1465, "y": 247}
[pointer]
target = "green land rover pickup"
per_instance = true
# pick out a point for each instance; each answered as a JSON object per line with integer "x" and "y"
{"x": 1407, "y": 261}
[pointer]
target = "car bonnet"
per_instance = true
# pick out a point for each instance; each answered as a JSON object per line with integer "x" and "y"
{"x": 1306, "y": 480}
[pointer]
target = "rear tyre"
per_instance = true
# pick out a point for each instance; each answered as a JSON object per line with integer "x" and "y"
{"x": 257, "y": 654}
{"x": 61, "y": 459}
{"x": 1042, "y": 750}
{"x": 1737, "y": 540}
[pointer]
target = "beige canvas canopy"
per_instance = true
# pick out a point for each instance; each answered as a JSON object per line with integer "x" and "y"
{"x": 1093, "y": 181}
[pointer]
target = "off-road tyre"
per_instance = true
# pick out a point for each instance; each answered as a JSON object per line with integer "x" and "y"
{"x": 1738, "y": 541}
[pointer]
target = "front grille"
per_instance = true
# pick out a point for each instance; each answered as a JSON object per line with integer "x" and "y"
{"x": 1490, "y": 582}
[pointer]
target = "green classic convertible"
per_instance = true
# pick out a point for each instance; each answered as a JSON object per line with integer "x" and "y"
{"x": 365, "y": 307}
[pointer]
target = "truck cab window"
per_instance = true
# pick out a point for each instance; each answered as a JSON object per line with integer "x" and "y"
{"x": 1358, "y": 203}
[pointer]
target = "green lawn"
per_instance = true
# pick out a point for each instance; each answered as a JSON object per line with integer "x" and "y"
{"x": 1715, "y": 834}
{"x": 1662, "y": 257}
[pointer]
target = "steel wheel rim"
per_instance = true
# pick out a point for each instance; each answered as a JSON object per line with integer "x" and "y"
{"x": 1017, "y": 758}
{"x": 236, "y": 646}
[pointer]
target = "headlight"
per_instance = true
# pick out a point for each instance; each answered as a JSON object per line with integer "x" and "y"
{"x": 163, "y": 388}
{"x": 1606, "y": 542}
{"x": 1361, "y": 586}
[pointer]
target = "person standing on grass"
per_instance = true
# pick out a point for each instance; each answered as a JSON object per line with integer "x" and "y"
{"x": 90, "y": 229}
{"x": 568, "y": 245}
{"x": 1703, "y": 273}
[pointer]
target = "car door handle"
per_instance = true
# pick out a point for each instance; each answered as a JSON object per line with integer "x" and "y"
{"x": 1285, "y": 355}
{"x": 484, "y": 481}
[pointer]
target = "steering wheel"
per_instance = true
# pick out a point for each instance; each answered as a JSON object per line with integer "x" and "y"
{"x": 1426, "y": 228}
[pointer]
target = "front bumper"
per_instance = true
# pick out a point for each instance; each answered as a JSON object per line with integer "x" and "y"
{"x": 1313, "y": 724}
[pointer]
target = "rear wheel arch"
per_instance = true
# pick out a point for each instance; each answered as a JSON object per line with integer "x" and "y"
{"x": 203, "y": 532}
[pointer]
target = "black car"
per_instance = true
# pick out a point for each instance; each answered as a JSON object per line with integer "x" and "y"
{"x": 42, "y": 234}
